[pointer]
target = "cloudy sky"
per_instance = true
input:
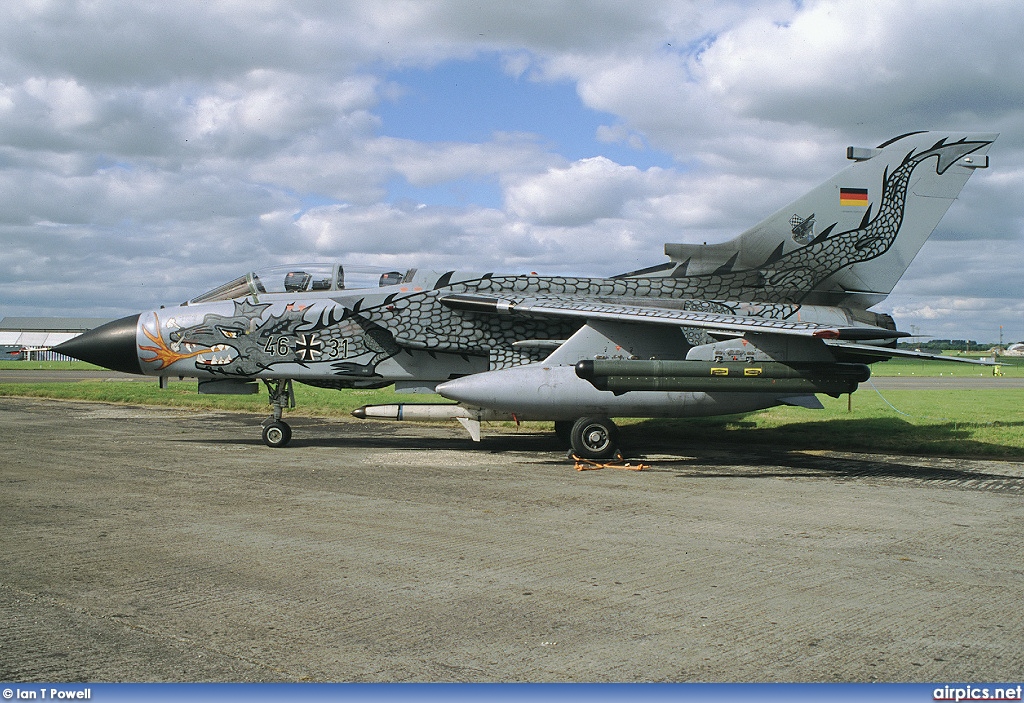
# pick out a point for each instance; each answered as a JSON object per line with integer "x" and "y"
{"x": 149, "y": 151}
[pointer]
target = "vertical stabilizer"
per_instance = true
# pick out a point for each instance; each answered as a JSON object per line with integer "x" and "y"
{"x": 848, "y": 241}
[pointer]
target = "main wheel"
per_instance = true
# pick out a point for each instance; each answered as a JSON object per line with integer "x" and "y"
{"x": 595, "y": 438}
{"x": 277, "y": 434}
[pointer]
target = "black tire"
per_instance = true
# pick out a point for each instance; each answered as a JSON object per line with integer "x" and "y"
{"x": 277, "y": 434}
{"x": 563, "y": 430}
{"x": 595, "y": 438}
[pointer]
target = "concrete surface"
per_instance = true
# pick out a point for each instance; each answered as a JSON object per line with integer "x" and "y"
{"x": 149, "y": 544}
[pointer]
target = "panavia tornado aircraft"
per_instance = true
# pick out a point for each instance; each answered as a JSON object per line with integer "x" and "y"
{"x": 772, "y": 317}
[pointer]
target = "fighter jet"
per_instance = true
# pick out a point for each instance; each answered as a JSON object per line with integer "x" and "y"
{"x": 772, "y": 317}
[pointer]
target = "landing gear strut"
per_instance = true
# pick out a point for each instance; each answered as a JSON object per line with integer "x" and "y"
{"x": 595, "y": 438}
{"x": 276, "y": 432}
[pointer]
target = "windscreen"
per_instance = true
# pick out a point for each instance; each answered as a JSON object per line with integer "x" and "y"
{"x": 305, "y": 278}
{"x": 234, "y": 289}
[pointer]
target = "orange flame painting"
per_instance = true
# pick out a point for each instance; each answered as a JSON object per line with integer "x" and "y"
{"x": 164, "y": 354}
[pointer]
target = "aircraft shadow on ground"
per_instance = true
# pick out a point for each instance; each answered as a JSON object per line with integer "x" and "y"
{"x": 317, "y": 432}
{"x": 873, "y": 435}
{"x": 688, "y": 451}
{"x": 489, "y": 445}
{"x": 784, "y": 454}
{"x": 673, "y": 436}
{"x": 793, "y": 465}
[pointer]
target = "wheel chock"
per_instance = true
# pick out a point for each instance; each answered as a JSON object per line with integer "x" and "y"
{"x": 591, "y": 465}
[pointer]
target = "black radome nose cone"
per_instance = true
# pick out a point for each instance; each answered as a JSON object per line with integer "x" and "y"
{"x": 111, "y": 346}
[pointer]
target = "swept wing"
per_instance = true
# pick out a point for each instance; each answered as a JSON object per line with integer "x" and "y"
{"x": 734, "y": 325}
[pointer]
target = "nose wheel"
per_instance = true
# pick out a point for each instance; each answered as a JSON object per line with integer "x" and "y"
{"x": 276, "y": 432}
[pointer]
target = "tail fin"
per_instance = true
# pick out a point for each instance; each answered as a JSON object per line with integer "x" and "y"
{"x": 848, "y": 241}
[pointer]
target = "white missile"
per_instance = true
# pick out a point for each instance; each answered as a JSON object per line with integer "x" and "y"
{"x": 470, "y": 418}
{"x": 425, "y": 411}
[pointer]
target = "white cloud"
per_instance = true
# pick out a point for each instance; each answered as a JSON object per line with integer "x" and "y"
{"x": 844, "y": 63}
{"x": 585, "y": 191}
{"x": 67, "y": 104}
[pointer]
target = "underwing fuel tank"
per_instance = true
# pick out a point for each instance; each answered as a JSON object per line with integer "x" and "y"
{"x": 542, "y": 392}
{"x": 621, "y": 376}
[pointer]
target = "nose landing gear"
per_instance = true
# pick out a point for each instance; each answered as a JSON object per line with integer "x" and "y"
{"x": 276, "y": 432}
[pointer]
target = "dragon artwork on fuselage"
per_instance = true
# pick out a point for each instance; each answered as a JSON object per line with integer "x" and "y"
{"x": 355, "y": 339}
{"x": 255, "y": 338}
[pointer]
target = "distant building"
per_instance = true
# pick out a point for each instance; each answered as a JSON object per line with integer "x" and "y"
{"x": 1015, "y": 349}
{"x": 30, "y": 338}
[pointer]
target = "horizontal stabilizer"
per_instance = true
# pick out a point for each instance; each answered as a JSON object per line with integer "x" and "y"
{"x": 890, "y": 352}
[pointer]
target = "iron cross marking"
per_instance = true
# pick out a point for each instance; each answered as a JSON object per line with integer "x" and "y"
{"x": 308, "y": 347}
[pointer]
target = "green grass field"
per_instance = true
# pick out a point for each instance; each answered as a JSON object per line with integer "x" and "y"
{"x": 952, "y": 423}
{"x": 51, "y": 365}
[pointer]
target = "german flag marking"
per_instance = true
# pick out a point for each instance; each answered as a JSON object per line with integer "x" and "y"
{"x": 853, "y": 197}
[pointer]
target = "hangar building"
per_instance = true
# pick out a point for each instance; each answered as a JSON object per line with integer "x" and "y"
{"x": 30, "y": 338}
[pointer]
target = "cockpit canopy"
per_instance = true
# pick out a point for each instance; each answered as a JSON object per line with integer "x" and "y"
{"x": 304, "y": 278}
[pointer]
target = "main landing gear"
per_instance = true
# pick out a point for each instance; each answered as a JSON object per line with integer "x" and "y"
{"x": 592, "y": 437}
{"x": 276, "y": 432}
